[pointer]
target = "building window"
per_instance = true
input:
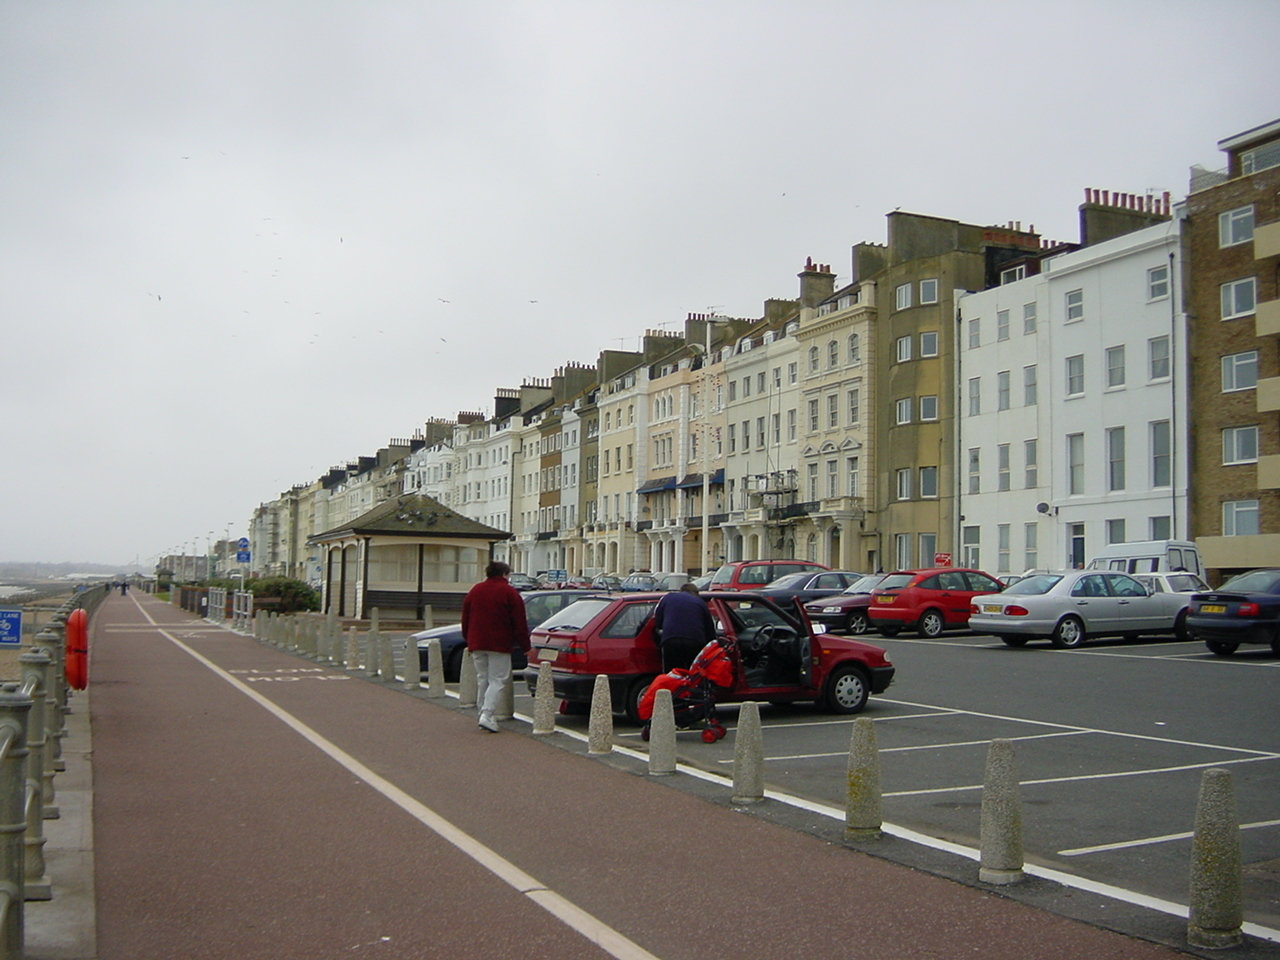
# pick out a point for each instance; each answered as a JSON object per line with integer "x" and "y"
{"x": 1031, "y": 546}
{"x": 1031, "y": 458}
{"x": 833, "y": 478}
{"x": 1075, "y": 546}
{"x": 833, "y": 411}
{"x": 929, "y": 482}
{"x": 975, "y": 470}
{"x": 1075, "y": 375}
{"x": 902, "y": 296}
{"x": 1240, "y": 371}
{"x": 903, "y": 410}
{"x": 975, "y": 396}
{"x": 1002, "y": 547}
{"x": 1161, "y": 454}
{"x": 1115, "y": 531}
{"x": 1075, "y": 463}
{"x": 928, "y": 291}
{"x": 1028, "y": 318}
{"x": 1158, "y": 355}
{"x": 1239, "y": 445}
{"x": 733, "y": 443}
{"x": 903, "y": 346}
{"x": 813, "y": 416}
{"x": 970, "y": 543}
{"x": 1160, "y": 528}
{"x": 760, "y": 432}
{"x": 746, "y": 435}
{"x": 1115, "y": 366}
{"x": 746, "y": 387}
{"x": 975, "y": 333}
{"x": 1240, "y": 518}
{"x": 733, "y": 390}
{"x": 1002, "y": 324}
{"x": 1002, "y": 467}
{"x": 792, "y": 373}
{"x": 833, "y": 354}
{"x": 760, "y": 382}
{"x": 1030, "y": 383}
{"x": 1239, "y": 298}
{"x": 1157, "y": 283}
{"x": 776, "y": 423}
{"x": 902, "y": 551}
{"x": 1115, "y": 458}
{"x": 855, "y": 348}
{"x": 813, "y": 359}
{"x": 851, "y": 473}
{"x": 929, "y": 343}
{"x": 791, "y": 425}
{"x": 855, "y": 406}
{"x": 904, "y": 483}
{"x": 812, "y": 470}
{"x": 1235, "y": 226}
{"x": 1075, "y": 305}
{"x": 928, "y": 548}
{"x": 1002, "y": 390}
{"x": 1013, "y": 274}
{"x": 929, "y": 407}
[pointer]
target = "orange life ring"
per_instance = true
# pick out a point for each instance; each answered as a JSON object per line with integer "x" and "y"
{"x": 77, "y": 651}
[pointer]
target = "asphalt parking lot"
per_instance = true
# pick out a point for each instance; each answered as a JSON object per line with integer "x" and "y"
{"x": 1111, "y": 742}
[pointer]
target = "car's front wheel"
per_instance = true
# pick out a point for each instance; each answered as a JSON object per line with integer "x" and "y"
{"x": 1221, "y": 648}
{"x": 1069, "y": 633}
{"x": 856, "y": 624}
{"x": 930, "y": 624}
{"x": 889, "y": 631}
{"x": 846, "y": 690}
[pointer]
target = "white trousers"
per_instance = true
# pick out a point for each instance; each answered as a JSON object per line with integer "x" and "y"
{"x": 493, "y": 675}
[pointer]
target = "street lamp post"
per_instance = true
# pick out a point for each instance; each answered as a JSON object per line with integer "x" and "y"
{"x": 706, "y": 443}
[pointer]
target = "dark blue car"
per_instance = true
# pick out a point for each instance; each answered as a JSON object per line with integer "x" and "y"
{"x": 538, "y": 606}
{"x": 1245, "y": 609}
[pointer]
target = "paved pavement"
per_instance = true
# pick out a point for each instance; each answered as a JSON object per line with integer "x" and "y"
{"x": 247, "y": 803}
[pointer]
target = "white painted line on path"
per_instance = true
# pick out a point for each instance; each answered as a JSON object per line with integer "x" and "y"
{"x": 568, "y": 913}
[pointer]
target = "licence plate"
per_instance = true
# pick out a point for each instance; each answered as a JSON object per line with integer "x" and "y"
{"x": 991, "y": 608}
{"x": 1213, "y": 608}
{"x": 885, "y": 599}
{"x": 548, "y": 653}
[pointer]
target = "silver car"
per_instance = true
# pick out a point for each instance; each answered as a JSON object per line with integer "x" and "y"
{"x": 1174, "y": 589}
{"x": 1070, "y": 607}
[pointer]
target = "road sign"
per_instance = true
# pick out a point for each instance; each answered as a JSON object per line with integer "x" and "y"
{"x": 942, "y": 559}
{"x": 10, "y": 627}
{"x": 557, "y": 575}
{"x": 242, "y": 556}
{"x": 242, "y": 543}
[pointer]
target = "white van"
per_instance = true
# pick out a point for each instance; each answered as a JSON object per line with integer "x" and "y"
{"x": 1149, "y": 556}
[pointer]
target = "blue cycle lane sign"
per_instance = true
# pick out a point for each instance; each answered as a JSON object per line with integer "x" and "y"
{"x": 10, "y": 627}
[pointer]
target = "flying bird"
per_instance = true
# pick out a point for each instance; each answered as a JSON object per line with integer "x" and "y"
{"x": 443, "y": 300}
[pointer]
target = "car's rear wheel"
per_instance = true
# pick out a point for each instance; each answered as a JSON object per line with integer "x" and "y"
{"x": 1069, "y": 633}
{"x": 1221, "y": 648}
{"x": 635, "y": 693}
{"x": 1275, "y": 644}
{"x": 453, "y": 666}
{"x": 1012, "y": 640}
{"x": 930, "y": 624}
{"x": 846, "y": 690}
{"x": 1180, "y": 626}
{"x": 856, "y": 624}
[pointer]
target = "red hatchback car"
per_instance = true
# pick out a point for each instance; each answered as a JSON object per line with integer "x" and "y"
{"x": 929, "y": 601}
{"x": 776, "y": 655}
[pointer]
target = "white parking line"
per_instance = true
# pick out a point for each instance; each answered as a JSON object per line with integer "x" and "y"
{"x": 926, "y": 746}
{"x": 1147, "y": 841}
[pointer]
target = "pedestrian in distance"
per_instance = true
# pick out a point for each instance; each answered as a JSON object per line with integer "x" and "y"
{"x": 682, "y": 626}
{"x": 493, "y": 626}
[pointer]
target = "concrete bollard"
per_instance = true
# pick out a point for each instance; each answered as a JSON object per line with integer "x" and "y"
{"x": 544, "y": 702}
{"x": 467, "y": 685}
{"x": 387, "y": 650}
{"x": 1000, "y": 832}
{"x": 428, "y": 618}
{"x": 332, "y": 638}
{"x": 1217, "y": 907}
{"x": 412, "y": 664}
{"x": 600, "y": 722}
{"x": 15, "y": 707}
{"x": 862, "y": 798}
{"x": 351, "y": 656}
{"x": 662, "y": 736}
{"x": 748, "y": 756}
{"x": 435, "y": 669}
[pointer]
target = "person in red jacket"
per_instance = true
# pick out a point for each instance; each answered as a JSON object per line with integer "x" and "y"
{"x": 493, "y": 625}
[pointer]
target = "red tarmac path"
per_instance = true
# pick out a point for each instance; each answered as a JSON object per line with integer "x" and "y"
{"x": 224, "y": 829}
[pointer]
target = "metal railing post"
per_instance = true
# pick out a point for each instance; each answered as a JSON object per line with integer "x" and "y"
{"x": 36, "y": 886}
{"x": 15, "y": 708}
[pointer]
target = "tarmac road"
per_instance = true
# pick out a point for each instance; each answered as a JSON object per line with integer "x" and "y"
{"x": 248, "y": 803}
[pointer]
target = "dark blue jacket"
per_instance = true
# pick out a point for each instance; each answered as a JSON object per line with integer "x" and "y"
{"x": 683, "y": 614}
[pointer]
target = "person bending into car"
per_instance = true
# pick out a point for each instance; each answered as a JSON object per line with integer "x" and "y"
{"x": 682, "y": 625}
{"x": 493, "y": 625}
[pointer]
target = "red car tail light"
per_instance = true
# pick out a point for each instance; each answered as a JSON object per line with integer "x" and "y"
{"x": 1247, "y": 609}
{"x": 577, "y": 652}
{"x": 1013, "y": 610}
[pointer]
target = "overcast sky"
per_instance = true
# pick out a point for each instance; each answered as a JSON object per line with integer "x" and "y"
{"x": 245, "y": 241}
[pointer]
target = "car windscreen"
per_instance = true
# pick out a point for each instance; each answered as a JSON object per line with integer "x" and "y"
{"x": 575, "y": 616}
{"x": 1034, "y": 586}
{"x": 723, "y": 575}
{"x": 865, "y": 584}
{"x": 790, "y": 580}
{"x": 896, "y": 581}
{"x": 1255, "y": 581}
{"x": 1186, "y": 583}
